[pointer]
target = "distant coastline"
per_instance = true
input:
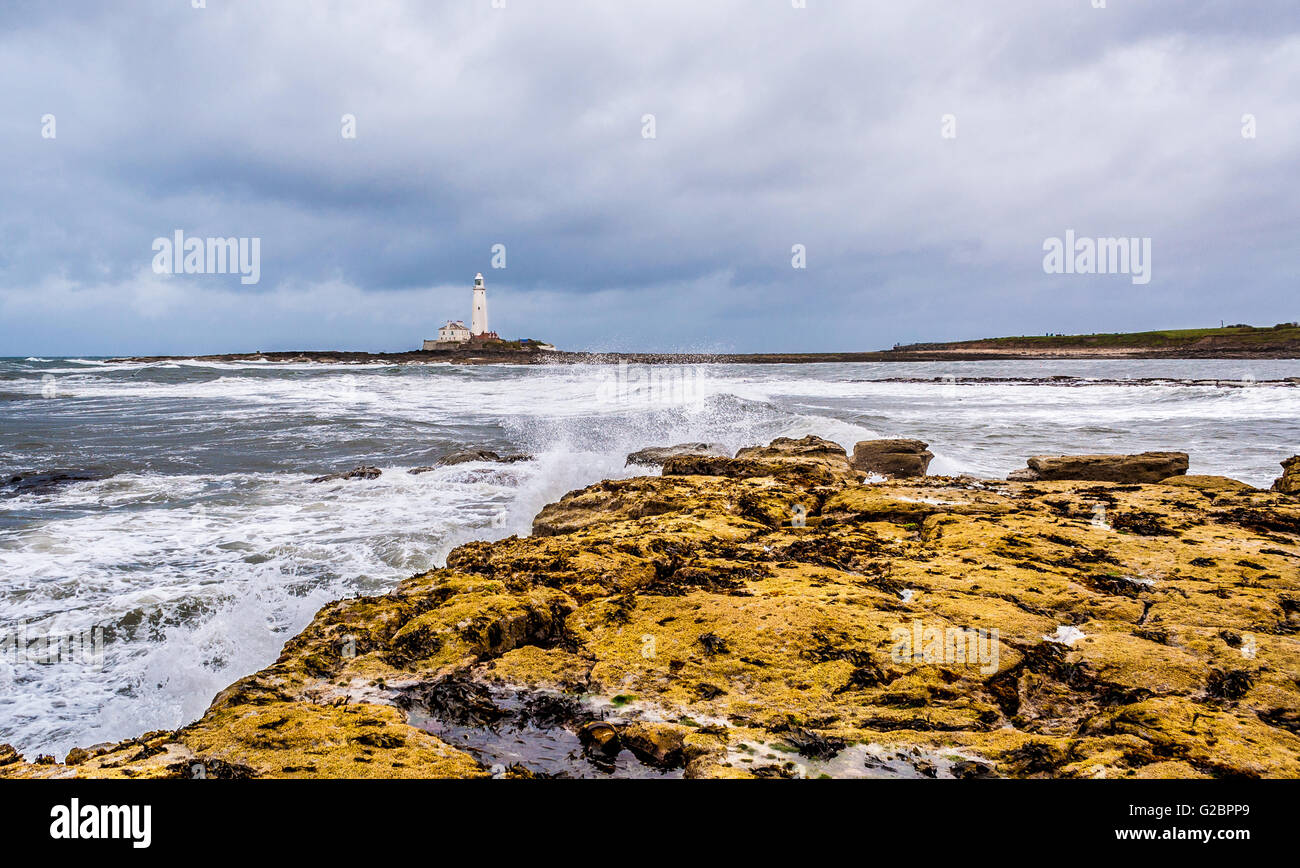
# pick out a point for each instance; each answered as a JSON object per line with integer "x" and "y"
{"x": 1232, "y": 342}
{"x": 416, "y": 357}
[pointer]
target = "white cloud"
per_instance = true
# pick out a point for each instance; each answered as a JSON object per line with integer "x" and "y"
{"x": 775, "y": 126}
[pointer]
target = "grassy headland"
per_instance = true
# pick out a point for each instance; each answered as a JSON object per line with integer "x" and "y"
{"x": 1279, "y": 341}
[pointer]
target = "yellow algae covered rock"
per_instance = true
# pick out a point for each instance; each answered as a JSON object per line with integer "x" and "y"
{"x": 1289, "y": 481}
{"x": 301, "y": 739}
{"x": 1208, "y": 484}
{"x": 771, "y": 615}
{"x": 804, "y": 451}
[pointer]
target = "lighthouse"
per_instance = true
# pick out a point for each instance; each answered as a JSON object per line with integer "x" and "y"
{"x": 478, "y": 323}
{"x": 454, "y": 334}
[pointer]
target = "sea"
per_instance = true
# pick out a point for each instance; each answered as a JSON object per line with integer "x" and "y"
{"x": 160, "y": 536}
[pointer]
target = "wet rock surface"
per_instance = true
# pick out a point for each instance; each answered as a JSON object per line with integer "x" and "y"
{"x": 466, "y": 456}
{"x": 355, "y": 473}
{"x": 655, "y": 456}
{"x": 1146, "y": 467}
{"x": 897, "y": 458}
{"x": 517, "y": 732}
{"x": 772, "y": 616}
{"x": 15, "y": 485}
{"x": 1289, "y": 481}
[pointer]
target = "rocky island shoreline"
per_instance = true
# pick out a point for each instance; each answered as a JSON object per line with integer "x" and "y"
{"x": 563, "y": 357}
{"x": 797, "y": 611}
{"x": 1233, "y": 342}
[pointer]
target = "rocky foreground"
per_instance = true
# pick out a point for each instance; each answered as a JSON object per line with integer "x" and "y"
{"x": 770, "y": 615}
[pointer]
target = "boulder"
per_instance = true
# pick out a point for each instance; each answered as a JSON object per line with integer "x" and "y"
{"x": 805, "y": 450}
{"x": 811, "y": 459}
{"x": 465, "y": 456}
{"x": 810, "y": 451}
{"x": 812, "y": 474}
{"x": 355, "y": 473}
{"x": 42, "y": 483}
{"x": 655, "y": 456}
{"x": 661, "y": 745}
{"x": 896, "y": 458}
{"x": 1146, "y": 467}
{"x": 1289, "y": 481}
{"x": 599, "y": 738}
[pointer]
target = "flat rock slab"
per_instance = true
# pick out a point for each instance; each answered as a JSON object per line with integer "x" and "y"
{"x": 467, "y": 456}
{"x": 655, "y": 456}
{"x": 1146, "y": 467}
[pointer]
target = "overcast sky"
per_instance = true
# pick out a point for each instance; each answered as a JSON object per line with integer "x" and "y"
{"x": 774, "y": 126}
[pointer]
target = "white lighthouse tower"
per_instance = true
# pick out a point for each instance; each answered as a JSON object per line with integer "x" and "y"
{"x": 478, "y": 323}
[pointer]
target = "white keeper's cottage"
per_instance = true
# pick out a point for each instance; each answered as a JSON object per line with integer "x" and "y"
{"x": 453, "y": 332}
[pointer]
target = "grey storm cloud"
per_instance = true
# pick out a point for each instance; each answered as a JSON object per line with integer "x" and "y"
{"x": 523, "y": 126}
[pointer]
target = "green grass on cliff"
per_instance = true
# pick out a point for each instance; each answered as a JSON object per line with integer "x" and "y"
{"x": 1244, "y": 336}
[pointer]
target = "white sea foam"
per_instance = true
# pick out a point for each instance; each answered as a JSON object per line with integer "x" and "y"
{"x": 1065, "y": 635}
{"x": 199, "y": 581}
